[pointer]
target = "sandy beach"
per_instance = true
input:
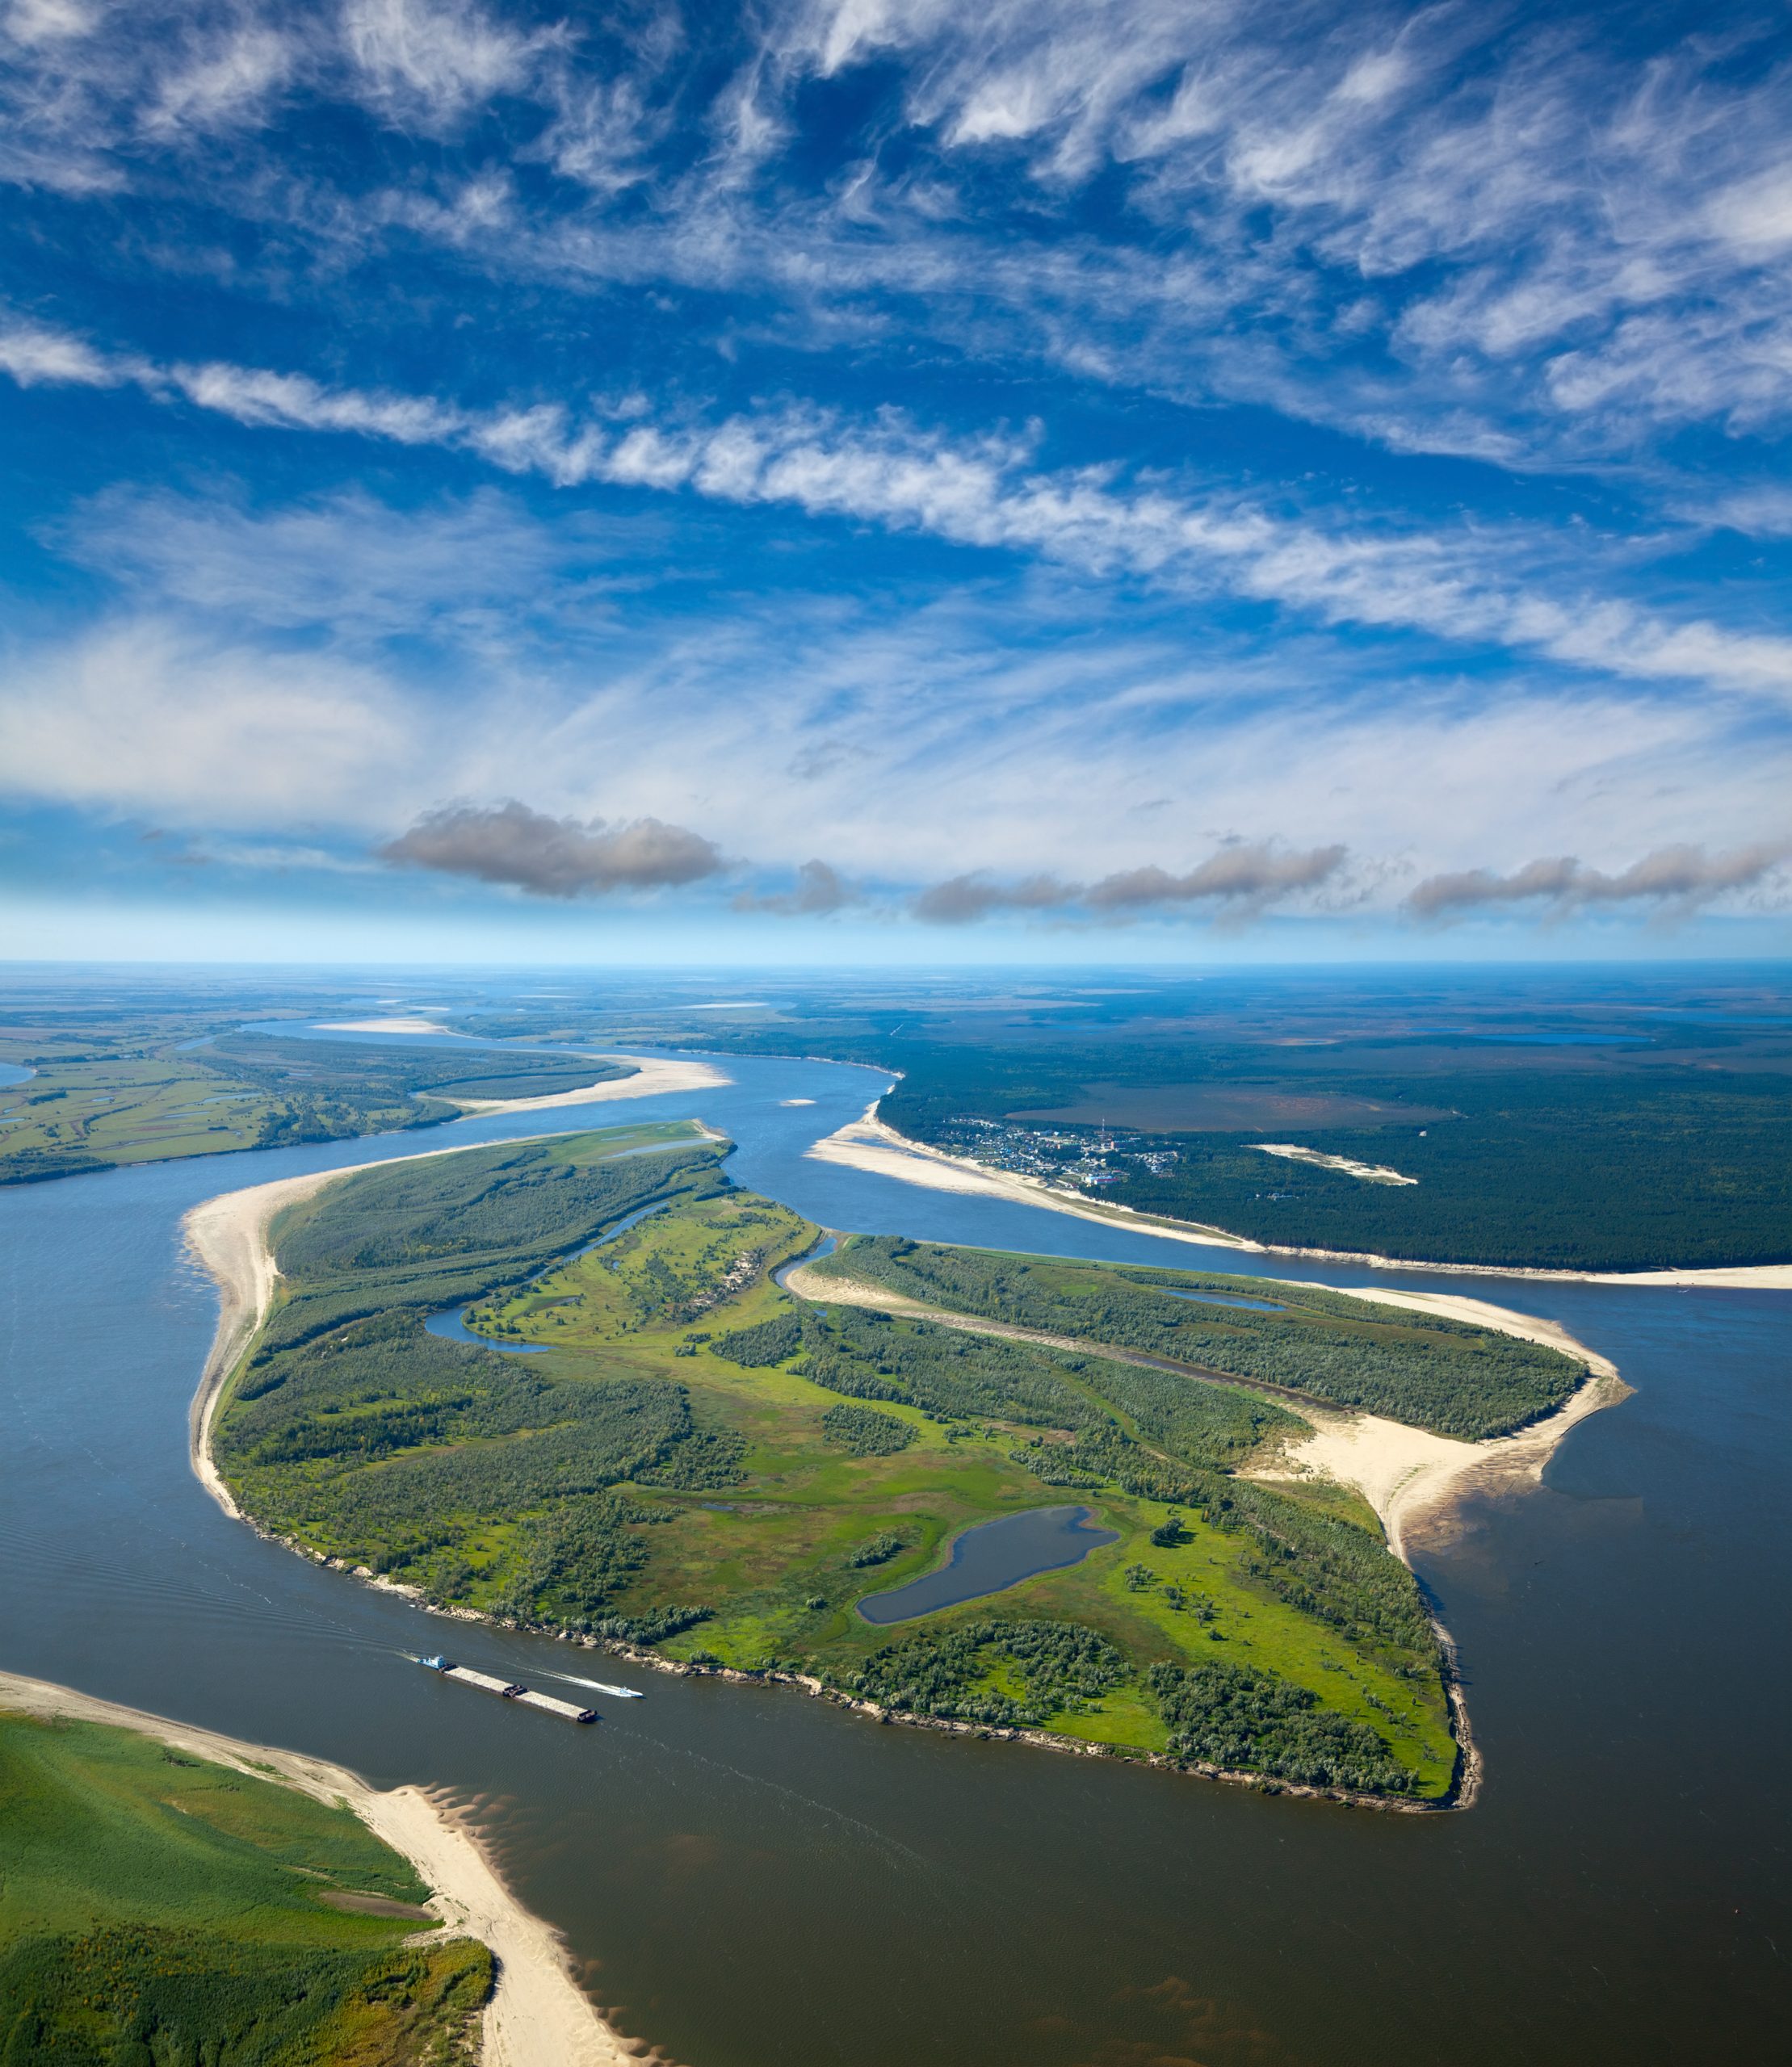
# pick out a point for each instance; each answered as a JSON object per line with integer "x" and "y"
{"x": 654, "y": 1076}
{"x": 868, "y": 1144}
{"x": 384, "y": 1026}
{"x": 228, "y": 1236}
{"x": 537, "y": 2016}
{"x": 1405, "y": 1474}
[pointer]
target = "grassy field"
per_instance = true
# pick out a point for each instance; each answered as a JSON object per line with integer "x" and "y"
{"x": 159, "y": 1910}
{"x": 694, "y": 1458}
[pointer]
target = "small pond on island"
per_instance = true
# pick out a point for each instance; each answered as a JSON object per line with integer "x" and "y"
{"x": 993, "y": 1556}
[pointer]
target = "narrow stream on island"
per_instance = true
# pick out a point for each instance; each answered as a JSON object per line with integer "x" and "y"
{"x": 749, "y": 1879}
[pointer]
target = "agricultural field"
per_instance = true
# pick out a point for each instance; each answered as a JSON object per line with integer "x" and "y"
{"x": 161, "y": 1909}
{"x": 653, "y": 1442}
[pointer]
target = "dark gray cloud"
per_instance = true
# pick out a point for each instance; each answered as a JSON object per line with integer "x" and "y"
{"x": 820, "y": 888}
{"x": 1240, "y": 879}
{"x": 963, "y": 900}
{"x": 1680, "y": 878}
{"x": 1249, "y": 873}
{"x": 510, "y": 844}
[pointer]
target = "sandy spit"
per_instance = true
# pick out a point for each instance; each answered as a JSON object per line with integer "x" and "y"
{"x": 537, "y": 2017}
{"x": 227, "y": 1236}
{"x": 383, "y": 1026}
{"x": 870, "y": 1144}
{"x": 654, "y": 1076}
{"x": 1405, "y": 1473}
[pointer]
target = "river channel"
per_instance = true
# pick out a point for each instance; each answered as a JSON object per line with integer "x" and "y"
{"x": 751, "y": 1879}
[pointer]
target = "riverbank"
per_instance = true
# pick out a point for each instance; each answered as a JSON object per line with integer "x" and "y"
{"x": 228, "y": 1236}
{"x": 654, "y": 1076}
{"x": 871, "y": 1145}
{"x": 1405, "y": 1474}
{"x": 537, "y": 2016}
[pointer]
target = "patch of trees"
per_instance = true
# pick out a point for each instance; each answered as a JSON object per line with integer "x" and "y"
{"x": 1008, "y": 1675}
{"x": 862, "y": 1431}
{"x": 1250, "y": 1720}
{"x": 1421, "y": 1368}
{"x": 763, "y": 1344}
{"x": 945, "y": 1372}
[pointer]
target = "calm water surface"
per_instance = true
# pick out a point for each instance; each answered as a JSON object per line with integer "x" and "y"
{"x": 754, "y": 1880}
{"x": 991, "y": 1557}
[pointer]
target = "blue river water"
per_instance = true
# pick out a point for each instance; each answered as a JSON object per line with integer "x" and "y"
{"x": 749, "y": 1879}
{"x": 990, "y": 1558}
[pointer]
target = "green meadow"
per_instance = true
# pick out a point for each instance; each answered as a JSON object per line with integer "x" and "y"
{"x": 689, "y": 1456}
{"x": 163, "y": 1911}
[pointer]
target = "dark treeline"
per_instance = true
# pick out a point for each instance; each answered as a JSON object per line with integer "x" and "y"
{"x": 1555, "y": 1164}
{"x": 1430, "y": 1372}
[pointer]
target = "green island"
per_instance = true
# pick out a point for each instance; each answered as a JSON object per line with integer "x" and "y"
{"x": 164, "y": 1911}
{"x": 145, "y": 1088}
{"x": 668, "y": 1450}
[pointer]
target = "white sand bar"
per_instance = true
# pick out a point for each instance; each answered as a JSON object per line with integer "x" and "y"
{"x": 870, "y": 1144}
{"x": 1368, "y": 1173}
{"x": 538, "y": 2017}
{"x": 383, "y": 1026}
{"x": 654, "y": 1076}
{"x": 1403, "y": 1473}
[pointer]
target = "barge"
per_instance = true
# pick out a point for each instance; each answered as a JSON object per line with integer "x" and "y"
{"x": 509, "y": 1690}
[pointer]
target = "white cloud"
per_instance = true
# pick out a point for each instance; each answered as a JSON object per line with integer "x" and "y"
{"x": 430, "y": 62}
{"x": 34, "y": 354}
{"x": 1474, "y": 585}
{"x": 224, "y": 83}
{"x": 142, "y": 716}
{"x": 345, "y": 563}
{"x": 1032, "y": 729}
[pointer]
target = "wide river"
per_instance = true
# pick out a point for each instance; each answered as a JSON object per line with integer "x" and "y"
{"x": 752, "y": 1879}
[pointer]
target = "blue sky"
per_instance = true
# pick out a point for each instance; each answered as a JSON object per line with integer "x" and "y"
{"x": 890, "y": 479}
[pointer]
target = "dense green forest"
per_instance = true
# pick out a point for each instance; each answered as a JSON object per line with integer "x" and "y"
{"x": 1421, "y": 1369}
{"x": 692, "y": 1458}
{"x": 1568, "y": 1119}
{"x": 162, "y": 1911}
{"x": 1526, "y": 1167}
